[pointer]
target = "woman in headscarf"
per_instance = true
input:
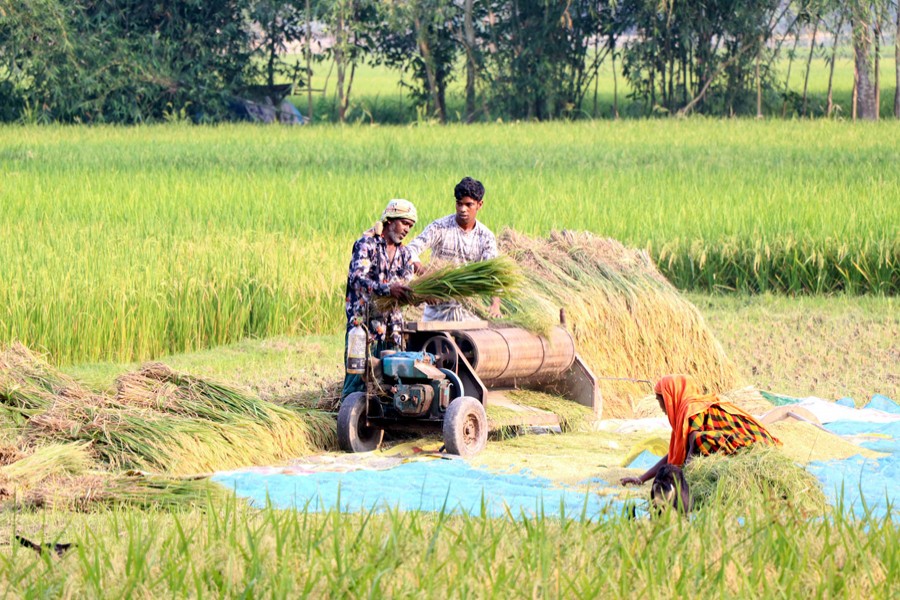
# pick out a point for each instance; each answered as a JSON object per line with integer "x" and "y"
{"x": 701, "y": 424}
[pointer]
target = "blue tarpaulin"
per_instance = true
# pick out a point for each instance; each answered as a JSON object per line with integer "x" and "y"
{"x": 358, "y": 483}
{"x": 450, "y": 485}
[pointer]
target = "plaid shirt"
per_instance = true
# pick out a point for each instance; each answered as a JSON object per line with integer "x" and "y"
{"x": 371, "y": 274}
{"x": 450, "y": 243}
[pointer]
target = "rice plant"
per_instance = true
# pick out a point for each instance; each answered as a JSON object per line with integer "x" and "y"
{"x": 127, "y": 244}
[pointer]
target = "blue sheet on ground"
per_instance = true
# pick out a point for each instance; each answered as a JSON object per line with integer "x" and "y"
{"x": 451, "y": 485}
{"x": 879, "y": 402}
{"x": 644, "y": 460}
{"x": 456, "y": 486}
{"x": 846, "y": 401}
{"x": 864, "y": 483}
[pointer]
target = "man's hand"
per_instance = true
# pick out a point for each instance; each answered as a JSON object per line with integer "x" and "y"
{"x": 400, "y": 291}
{"x": 631, "y": 481}
{"x": 494, "y": 310}
{"x": 418, "y": 268}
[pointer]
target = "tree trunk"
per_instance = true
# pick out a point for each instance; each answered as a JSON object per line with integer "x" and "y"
{"x": 309, "y": 102}
{"x": 897, "y": 66}
{"x": 877, "y": 35}
{"x": 425, "y": 49}
{"x": 864, "y": 91}
{"x": 596, "y": 75}
{"x": 787, "y": 80}
{"x": 349, "y": 89}
{"x": 612, "y": 43}
{"x": 812, "y": 47}
{"x": 834, "y": 46}
{"x": 469, "y": 38}
{"x": 759, "y": 113}
{"x": 339, "y": 61}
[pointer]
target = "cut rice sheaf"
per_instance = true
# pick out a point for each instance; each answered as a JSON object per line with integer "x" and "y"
{"x": 627, "y": 319}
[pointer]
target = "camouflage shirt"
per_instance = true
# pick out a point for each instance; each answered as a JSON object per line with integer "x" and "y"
{"x": 371, "y": 274}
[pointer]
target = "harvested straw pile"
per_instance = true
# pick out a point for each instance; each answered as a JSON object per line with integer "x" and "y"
{"x": 64, "y": 476}
{"x": 628, "y": 321}
{"x": 28, "y": 385}
{"x": 452, "y": 282}
{"x": 164, "y": 421}
{"x": 759, "y": 476}
{"x": 57, "y": 435}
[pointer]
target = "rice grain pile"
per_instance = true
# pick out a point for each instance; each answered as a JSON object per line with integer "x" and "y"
{"x": 627, "y": 319}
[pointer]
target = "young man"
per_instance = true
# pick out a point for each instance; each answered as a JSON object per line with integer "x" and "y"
{"x": 458, "y": 238}
{"x": 379, "y": 266}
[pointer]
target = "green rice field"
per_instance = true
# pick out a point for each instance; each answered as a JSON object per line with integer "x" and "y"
{"x": 227, "y": 551}
{"x": 125, "y": 244}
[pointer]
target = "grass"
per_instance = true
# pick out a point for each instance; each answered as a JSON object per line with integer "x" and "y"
{"x": 127, "y": 244}
{"x": 829, "y": 347}
{"x": 230, "y": 551}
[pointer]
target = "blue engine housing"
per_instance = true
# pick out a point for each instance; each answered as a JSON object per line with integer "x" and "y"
{"x": 402, "y": 365}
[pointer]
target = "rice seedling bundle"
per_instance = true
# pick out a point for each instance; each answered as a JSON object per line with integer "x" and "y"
{"x": 483, "y": 279}
{"x": 759, "y": 475}
{"x": 627, "y": 320}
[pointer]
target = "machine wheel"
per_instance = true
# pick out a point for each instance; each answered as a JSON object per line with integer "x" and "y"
{"x": 354, "y": 435}
{"x": 465, "y": 427}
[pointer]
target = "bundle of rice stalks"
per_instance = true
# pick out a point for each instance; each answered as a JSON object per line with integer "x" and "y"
{"x": 168, "y": 422}
{"x": 627, "y": 320}
{"x": 94, "y": 491}
{"x": 760, "y": 475}
{"x": 53, "y": 460}
{"x": 484, "y": 279}
{"x": 28, "y": 385}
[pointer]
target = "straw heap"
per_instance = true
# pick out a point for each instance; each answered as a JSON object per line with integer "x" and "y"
{"x": 627, "y": 320}
{"x": 759, "y": 475}
{"x": 59, "y": 441}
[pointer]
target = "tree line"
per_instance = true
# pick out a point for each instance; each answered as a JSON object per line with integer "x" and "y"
{"x": 133, "y": 61}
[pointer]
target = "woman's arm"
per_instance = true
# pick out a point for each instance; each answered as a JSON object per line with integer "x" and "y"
{"x": 650, "y": 474}
{"x": 691, "y": 447}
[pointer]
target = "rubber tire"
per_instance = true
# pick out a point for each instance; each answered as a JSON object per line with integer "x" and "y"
{"x": 465, "y": 427}
{"x": 353, "y": 434}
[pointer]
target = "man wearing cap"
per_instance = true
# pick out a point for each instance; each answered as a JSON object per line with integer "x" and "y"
{"x": 379, "y": 266}
{"x": 458, "y": 238}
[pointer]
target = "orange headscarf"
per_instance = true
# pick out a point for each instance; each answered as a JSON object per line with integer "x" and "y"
{"x": 683, "y": 400}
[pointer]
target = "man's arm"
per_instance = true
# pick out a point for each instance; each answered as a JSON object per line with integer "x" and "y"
{"x": 422, "y": 242}
{"x": 361, "y": 267}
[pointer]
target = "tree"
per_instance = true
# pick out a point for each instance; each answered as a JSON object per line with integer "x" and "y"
{"x": 700, "y": 56}
{"x": 126, "y": 61}
{"x": 422, "y": 38}
{"x": 537, "y": 67}
{"x": 350, "y": 22}
{"x": 281, "y": 22}
{"x": 864, "y": 106}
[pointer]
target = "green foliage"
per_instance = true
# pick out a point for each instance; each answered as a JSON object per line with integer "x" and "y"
{"x": 124, "y": 61}
{"x": 683, "y": 48}
{"x": 760, "y": 475}
{"x": 537, "y": 68}
{"x": 420, "y": 37}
